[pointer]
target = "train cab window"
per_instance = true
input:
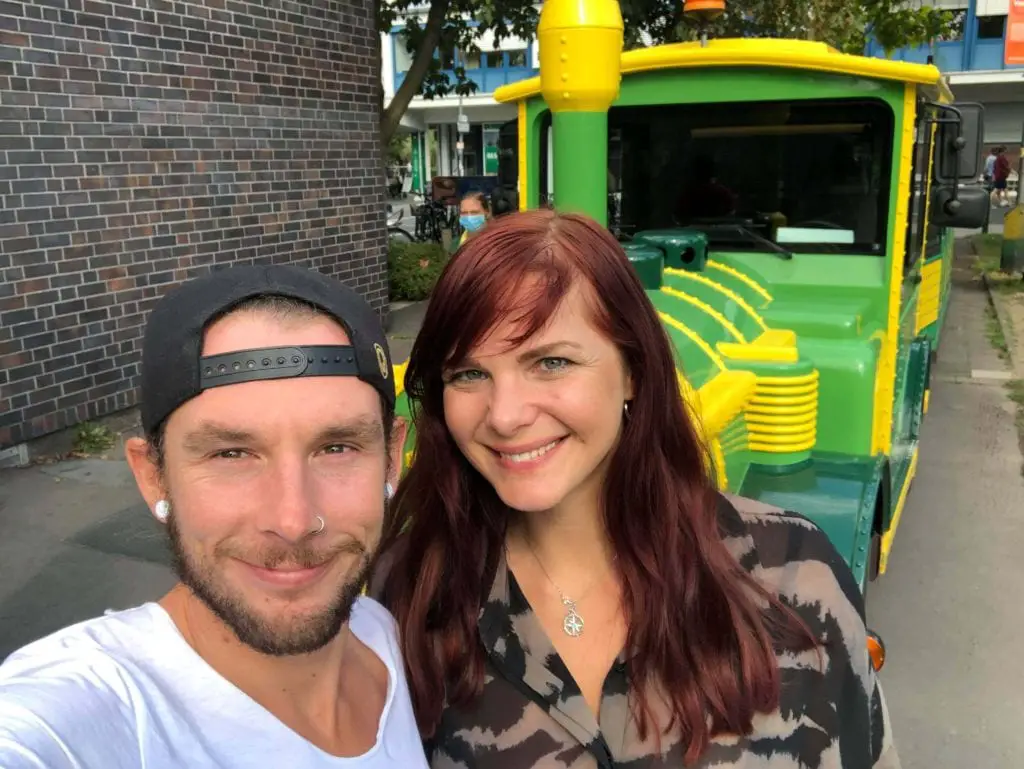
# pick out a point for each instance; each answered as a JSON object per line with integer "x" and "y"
{"x": 921, "y": 240}
{"x": 808, "y": 176}
{"x": 811, "y": 176}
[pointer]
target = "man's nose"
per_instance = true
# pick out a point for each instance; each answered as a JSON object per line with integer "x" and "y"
{"x": 291, "y": 509}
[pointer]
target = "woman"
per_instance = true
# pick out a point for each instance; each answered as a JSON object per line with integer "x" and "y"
{"x": 570, "y": 588}
{"x": 474, "y": 212}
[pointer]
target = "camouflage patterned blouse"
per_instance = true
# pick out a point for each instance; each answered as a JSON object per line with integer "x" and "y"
{"x": 531, "y": 712}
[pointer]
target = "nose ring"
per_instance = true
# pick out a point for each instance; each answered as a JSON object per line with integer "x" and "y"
{"x": 322, "y": 525}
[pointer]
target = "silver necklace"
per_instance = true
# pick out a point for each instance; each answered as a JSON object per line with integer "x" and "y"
{"x": 572, "y": 623}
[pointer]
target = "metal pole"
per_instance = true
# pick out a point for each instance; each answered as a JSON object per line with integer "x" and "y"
{"x": 460, "y": 142}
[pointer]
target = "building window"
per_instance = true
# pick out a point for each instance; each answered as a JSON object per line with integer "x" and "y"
{"x": 447, "y": 56}
{"x": 473, "y": 60}
{"x": 517, "y": 58}
{"x": 403, "y": 59}
{"x": 991, "y": 27}
{"x": 956, "y": 30}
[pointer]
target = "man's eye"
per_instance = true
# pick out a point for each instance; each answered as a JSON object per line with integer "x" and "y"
{"x": 337, "y": 448}
{"x": 230, "y": 454}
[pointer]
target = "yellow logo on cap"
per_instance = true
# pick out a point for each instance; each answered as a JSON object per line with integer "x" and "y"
{"x": 382, "y": 360}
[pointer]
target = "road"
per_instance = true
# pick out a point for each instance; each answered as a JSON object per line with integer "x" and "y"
{"x": 75, "y": 540}
{"x": 949, "y": 606}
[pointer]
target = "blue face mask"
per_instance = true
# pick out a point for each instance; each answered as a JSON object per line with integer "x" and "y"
{"x": 472, "y": 222}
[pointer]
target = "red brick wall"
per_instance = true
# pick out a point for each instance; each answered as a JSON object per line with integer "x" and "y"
{"x": 146, "y": 141}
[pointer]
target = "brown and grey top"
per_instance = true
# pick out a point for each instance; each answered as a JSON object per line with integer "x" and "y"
{"x": 832, "y": 716}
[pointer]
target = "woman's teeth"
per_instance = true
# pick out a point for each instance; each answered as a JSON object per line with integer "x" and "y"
{"x": 526, "y": 456}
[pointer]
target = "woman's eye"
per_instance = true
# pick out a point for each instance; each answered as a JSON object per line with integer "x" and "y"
{"x": 467, "y": 375}
{"x": 553, "y": 365}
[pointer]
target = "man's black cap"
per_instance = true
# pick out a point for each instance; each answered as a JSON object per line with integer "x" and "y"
{"x": 174, "y": 372}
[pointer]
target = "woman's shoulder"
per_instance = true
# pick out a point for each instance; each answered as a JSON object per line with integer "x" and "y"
{"x": 791, "y": 556}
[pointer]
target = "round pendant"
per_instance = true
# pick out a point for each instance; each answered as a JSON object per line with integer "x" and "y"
{"x": 573, "y": 624}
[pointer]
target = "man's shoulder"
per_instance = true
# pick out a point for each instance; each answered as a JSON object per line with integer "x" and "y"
{"x": 111, "y": 630}
{"x": 86, "y": 656}
{"x": 369, "y": 612}
{"x": 74, "y": 686}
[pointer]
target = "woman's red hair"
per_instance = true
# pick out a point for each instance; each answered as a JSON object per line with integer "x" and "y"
{"x": 701, "y": 630}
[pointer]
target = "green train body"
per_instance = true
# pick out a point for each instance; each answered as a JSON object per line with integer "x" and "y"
{"x": 804, "y": 348}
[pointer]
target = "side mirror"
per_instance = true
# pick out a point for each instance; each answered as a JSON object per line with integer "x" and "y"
{"x": 968, "y": 208}
{"x": 959, "y": 143}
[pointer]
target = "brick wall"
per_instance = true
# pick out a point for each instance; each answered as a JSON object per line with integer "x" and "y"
{"x": 145, "y": 141}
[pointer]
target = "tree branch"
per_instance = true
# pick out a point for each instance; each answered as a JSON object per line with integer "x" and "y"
{"x": 391, "y": 117}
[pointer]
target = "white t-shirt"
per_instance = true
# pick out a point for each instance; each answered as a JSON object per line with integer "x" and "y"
{"x": 125, "y": 691}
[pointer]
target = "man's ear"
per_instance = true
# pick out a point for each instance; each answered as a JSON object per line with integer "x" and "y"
{"x": 147, "y": 474}
{"x": 399, "y": 431}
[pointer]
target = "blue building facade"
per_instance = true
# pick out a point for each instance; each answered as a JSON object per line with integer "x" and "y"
{"x": 973, "y": 61}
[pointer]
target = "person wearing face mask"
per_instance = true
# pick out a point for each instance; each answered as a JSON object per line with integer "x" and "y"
{"x": 474, "y": 212}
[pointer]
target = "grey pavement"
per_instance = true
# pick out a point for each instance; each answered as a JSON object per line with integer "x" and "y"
{"x": 403, "y": 325}
{"x": 949, "y": 605}
{"x": 75, "y": 540}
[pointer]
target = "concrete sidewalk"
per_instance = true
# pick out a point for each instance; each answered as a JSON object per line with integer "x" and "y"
{"x": 75, "y": 540}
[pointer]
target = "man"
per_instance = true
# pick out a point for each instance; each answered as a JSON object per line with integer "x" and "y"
{"x": 267, "y": 400}
{"x": 990, "y": 164}
{"x": 1000, "y": 175}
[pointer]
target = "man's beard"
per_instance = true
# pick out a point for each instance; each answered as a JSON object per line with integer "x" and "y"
{"x": 292, "y": 635}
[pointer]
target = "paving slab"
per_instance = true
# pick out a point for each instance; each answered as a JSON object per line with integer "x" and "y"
{"x": 948, "y": 606}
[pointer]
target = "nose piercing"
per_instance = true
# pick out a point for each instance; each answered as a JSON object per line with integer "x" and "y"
{"x": 322, "y": 525}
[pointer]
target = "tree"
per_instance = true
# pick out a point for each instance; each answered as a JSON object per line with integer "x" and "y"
{"x": 843, "y": 24}
{"x": 447, "y": 28}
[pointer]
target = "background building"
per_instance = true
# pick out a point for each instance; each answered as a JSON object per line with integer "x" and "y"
{"x": 973, "y": 60}
{"x": 433, "y": 122}
{"x": 139, "y": 147}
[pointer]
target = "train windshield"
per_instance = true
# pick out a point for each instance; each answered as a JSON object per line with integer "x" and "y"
{"x": 809, "y": 175}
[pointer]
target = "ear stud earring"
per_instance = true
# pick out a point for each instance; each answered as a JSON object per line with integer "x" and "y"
{"x": 161, "y": 510}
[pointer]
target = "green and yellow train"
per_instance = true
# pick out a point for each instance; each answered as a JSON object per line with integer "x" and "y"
{"x": 790, "y": 210}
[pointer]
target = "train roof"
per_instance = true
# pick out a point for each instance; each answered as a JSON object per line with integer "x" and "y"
{"x": 758, "y": 52}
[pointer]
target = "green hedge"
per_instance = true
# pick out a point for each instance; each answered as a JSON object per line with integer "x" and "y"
{"x": 413, "y": 269}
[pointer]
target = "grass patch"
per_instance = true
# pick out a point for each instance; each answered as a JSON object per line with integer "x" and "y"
{"x": 987, "y": 249}
{"x": 994, "y": 332}
{"x": 1015, "y": 389}
{"x": 92, "y": 439}
{"x": 987, "y": 245}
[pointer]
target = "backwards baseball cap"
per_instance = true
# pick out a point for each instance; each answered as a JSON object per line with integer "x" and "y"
{"x": 174, "y": 371}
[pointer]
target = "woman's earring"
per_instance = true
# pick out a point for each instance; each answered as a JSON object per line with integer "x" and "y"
{"x": 625, "y": 409}
{"x": 162, "y": 509}
{"x": 389, "y": 491}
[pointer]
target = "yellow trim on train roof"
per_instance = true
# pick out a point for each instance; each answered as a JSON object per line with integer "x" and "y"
{"x": 754, "y": 52}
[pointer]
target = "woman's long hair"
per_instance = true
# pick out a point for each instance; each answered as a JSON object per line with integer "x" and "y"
{"x": 700, "y": 629}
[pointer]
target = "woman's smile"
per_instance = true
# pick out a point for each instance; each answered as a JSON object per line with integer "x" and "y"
{"x": 528, "y": 457}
